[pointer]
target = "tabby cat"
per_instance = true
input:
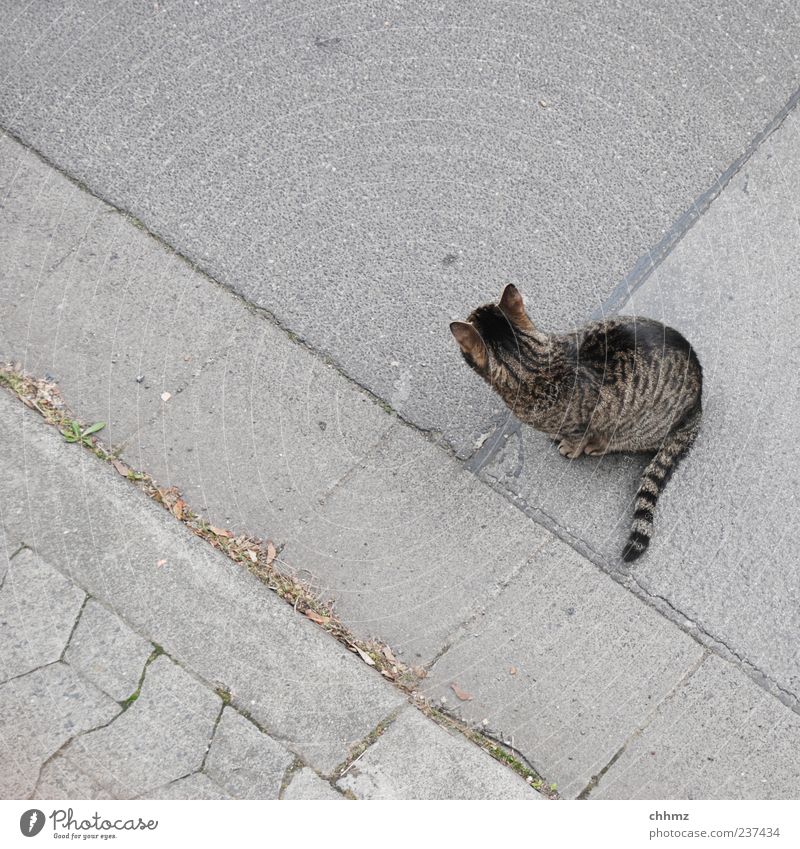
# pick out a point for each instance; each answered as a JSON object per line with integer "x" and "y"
{"x": 624, "y": 384}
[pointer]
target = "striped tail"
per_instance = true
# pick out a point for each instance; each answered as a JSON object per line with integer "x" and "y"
{"x": 655, "y": 478}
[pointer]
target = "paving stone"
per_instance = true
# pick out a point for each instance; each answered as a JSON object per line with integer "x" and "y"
{"x": 411, "y": 545}
{"x": 39, "y": 712}
{"x": 38, "y": 610}
{"x": 60, "y": 778}
{"x": 306, "y": 784}
{"x": 554, "y": 147}
{"x": 97, "y": 303}
{"x": 5, "y": 555}
{"x": 719, "y": 737}
{"x": 197, "y": 786}
{"x": 106, "y": 651}
{"x": 566, "y": 663}
{"x": 163, "y": 735}
{"x": 417, "y": 759}
{"x": 243, "y": 761}
{"x": 262, "y": 435}
{"x": 295, "y": 680}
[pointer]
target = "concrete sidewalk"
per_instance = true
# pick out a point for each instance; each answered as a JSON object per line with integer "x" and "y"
{"x": 136, "y": 661}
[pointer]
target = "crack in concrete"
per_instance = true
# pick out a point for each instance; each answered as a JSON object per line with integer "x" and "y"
{"x": 29, "y": 672}
{"x": 724, "y": 650}
{"x": 86, "y": 598}
{"x": 62, "y": 748}
{"x": 648, "y": 721}
{"x": 358, "y": 749}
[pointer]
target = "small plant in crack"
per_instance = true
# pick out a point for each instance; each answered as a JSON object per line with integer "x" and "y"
{"x": 72, "y": 432}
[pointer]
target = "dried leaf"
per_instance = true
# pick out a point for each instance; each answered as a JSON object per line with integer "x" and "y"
{"x": 177, "y": 508}
{"x": 419, "y": 671}
{"x": 461, "y": 694}
{"x": 165, "y": 396}
{"x": 120, "y": 467}
{"x": 271, "y": 552}
{"x": 252, "y": 555}
{"x": 365, "y": 657}
{"x": 387, "y": 674}
{"x": 315, "y": 617}
{"x": 220, "y": 532}
{"x": 387, "y": 653}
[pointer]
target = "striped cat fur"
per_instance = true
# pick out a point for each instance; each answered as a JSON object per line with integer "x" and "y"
{"x": 623, "y": 384}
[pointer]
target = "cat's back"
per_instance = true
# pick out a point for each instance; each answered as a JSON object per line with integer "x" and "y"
{"x": 600, "y": 345}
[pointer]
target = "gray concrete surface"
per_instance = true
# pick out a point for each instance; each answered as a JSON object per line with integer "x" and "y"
{"x": 228, "y": 652}
{"x": 369, "y": 172}
{"x": 378, "y": 171}
{"x": 716, "y": 738}
{"x": 245, "y": 763}
{"x": 95, "y": 303}
{"x": 305, "y": 784}
{"x": 38, "y": 610}
{"x": 39, "y": 713}
{"x": 107, "y": 652}
{"x": 410, "y": 760}
{"x": 112, "y": 546}
{"x": 162, "y": 736}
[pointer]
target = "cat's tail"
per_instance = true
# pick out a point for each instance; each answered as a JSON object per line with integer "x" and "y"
{"x": 655, "y": 478}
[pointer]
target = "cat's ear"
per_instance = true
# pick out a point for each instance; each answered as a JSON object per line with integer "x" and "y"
{"x": 512, "y": 305}
{"x": 470, "y": 341}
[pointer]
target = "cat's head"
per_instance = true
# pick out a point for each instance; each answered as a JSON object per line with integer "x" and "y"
{"x": 492, "y": 330}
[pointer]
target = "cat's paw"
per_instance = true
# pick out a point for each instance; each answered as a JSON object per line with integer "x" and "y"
{"x": 596, "y": 449}
{"x": 572, "y": 450}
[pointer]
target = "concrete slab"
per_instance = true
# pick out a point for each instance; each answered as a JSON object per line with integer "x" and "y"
{"x": 369, "y": 172}
{"x": 566, "y": 664}
{"x": 298, "y": 683}
{"x": 719, "y": 737}
{"x": 95, "y": 302}
{"x": 161, "y": 737}
{"x": 411, "y": 545}
{"x": 417, "y": 759}
{"x": 306, "y": 784}
{"x": 39, "y": 712}
{"x": 59, "y": 778}
{"x": 106, "y": 652}
{"x": 262, "y": 435}
{"x": 588, "y": 501}
{"x": 725, "y": 553}
{"x": 245, "y": 762}
{"x": 38, "y": 610}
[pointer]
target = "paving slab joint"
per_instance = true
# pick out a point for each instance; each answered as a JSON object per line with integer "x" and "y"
{"x": 719, "y": 646}
{"x": 649, "y": 261}
{"x": 86, "y": 598}
{"x": 28, "y": 672}
{"x": 358, "y": 749}
{"x": 294, "y": 767}
{"x": 199, "y": 268}
{"x": 34, "y": 794}
{"x": 495, "y": 744}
